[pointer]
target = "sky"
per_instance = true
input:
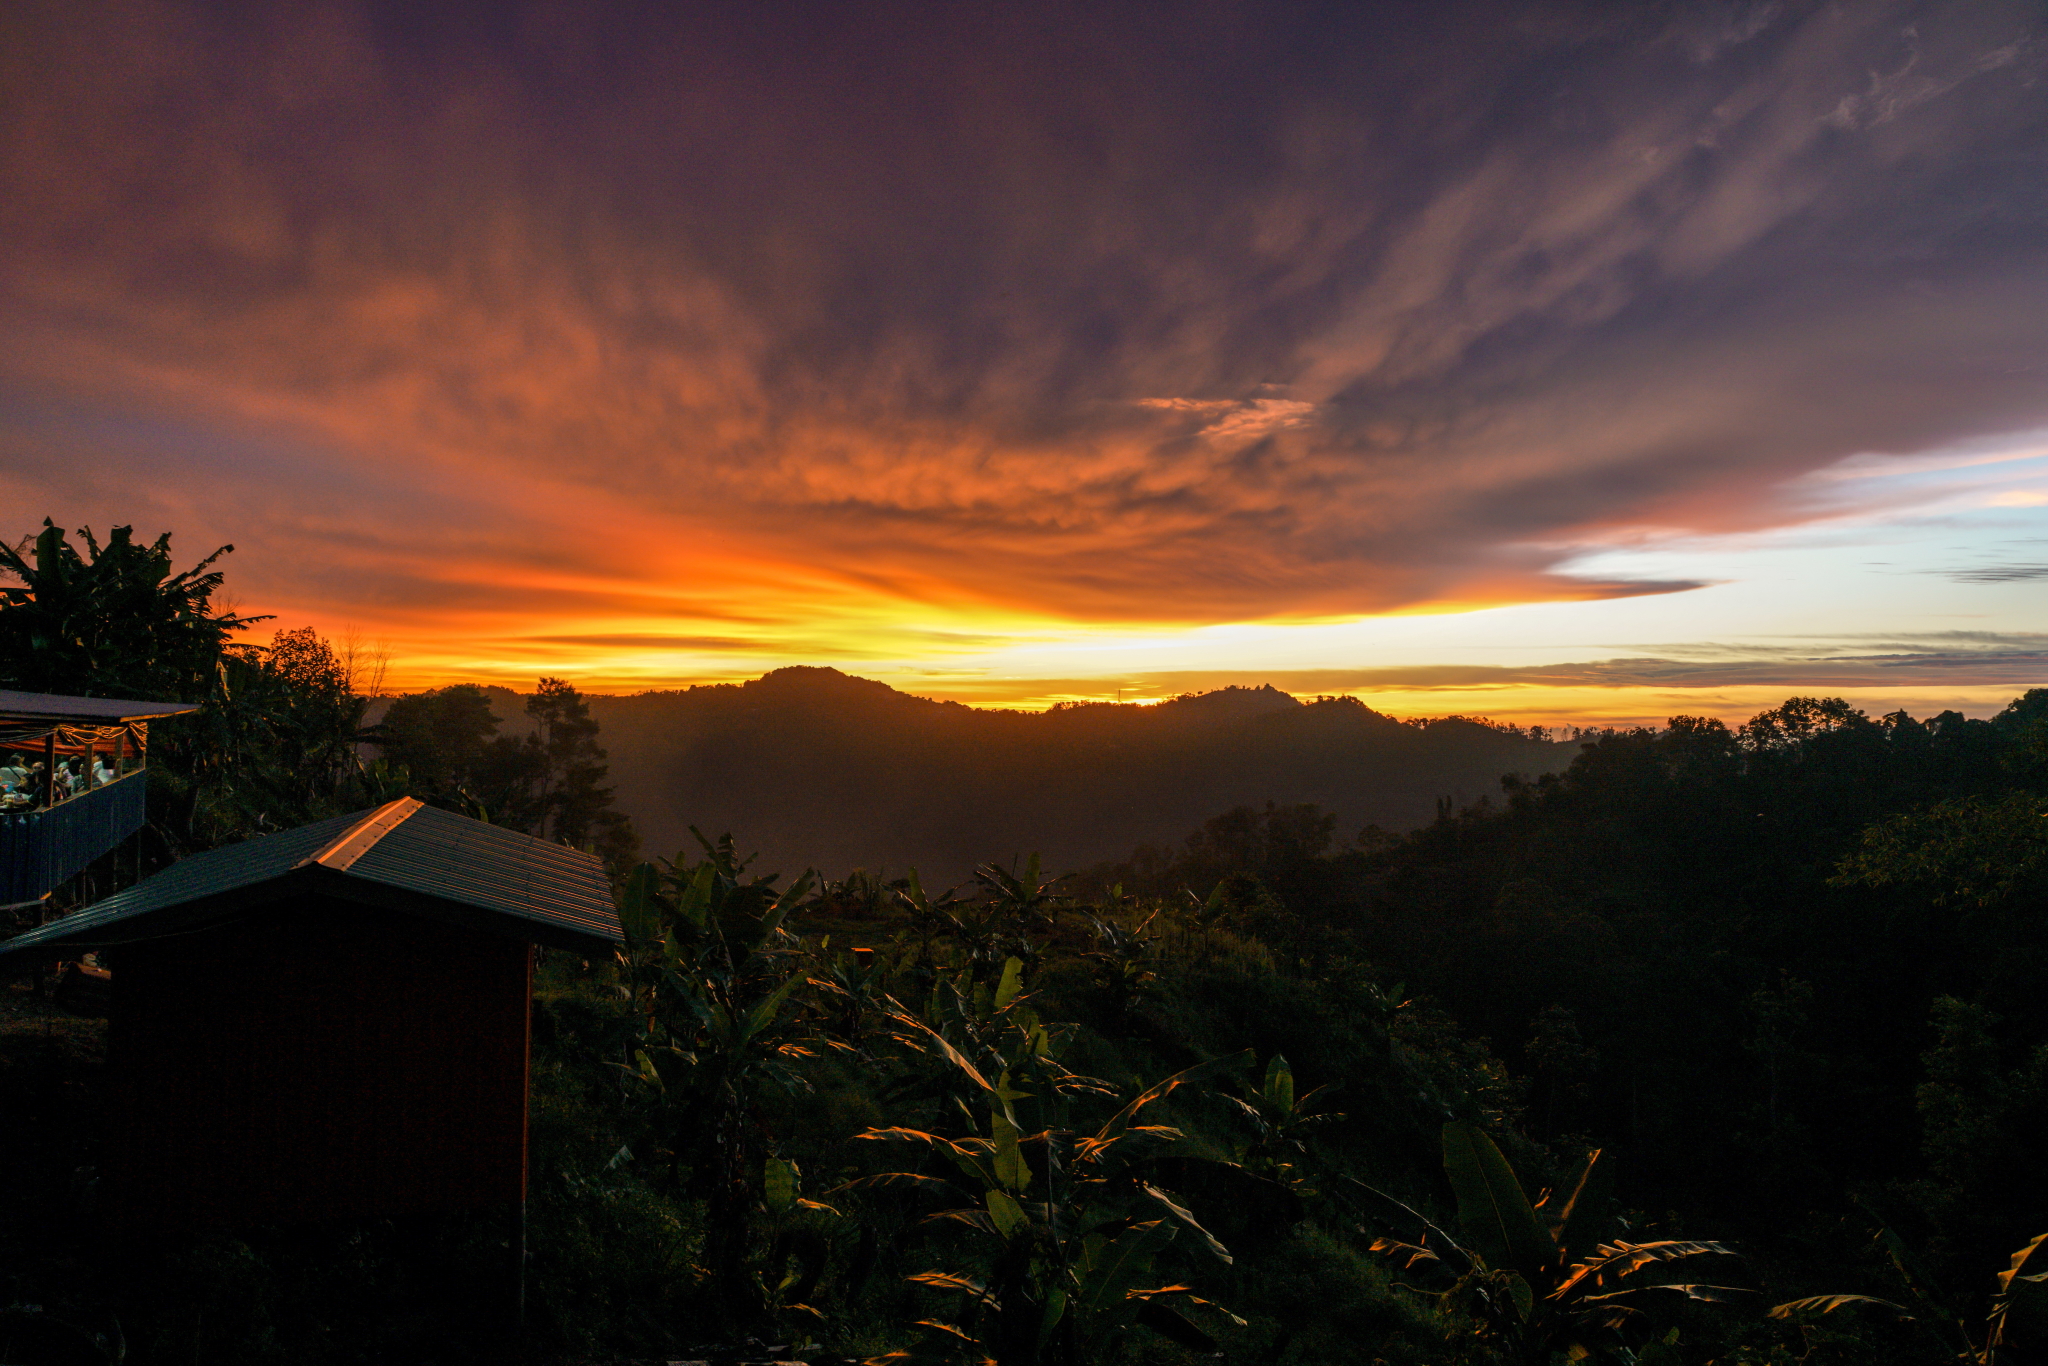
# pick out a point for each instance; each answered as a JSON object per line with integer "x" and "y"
{"x": 1573, "y": 363}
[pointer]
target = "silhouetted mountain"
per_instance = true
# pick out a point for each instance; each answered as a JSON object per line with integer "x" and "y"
{"x": 810, "y": 765}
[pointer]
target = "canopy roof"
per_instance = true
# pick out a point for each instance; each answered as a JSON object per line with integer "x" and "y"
{"x": 43, "y": 706}
{"x": 401, "y": 856}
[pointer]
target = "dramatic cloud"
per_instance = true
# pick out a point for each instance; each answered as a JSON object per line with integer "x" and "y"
{"x": 775, "y": 327}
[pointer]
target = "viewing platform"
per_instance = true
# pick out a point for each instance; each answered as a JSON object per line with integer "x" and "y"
{"x": 73, "y": 773}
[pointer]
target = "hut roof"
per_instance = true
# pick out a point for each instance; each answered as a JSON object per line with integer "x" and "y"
{"x": 401, "y": 856}
{"x": 43, "y": 706}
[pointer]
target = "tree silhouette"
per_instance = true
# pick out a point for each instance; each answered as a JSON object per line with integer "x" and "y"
{"x": 113, "y": 622}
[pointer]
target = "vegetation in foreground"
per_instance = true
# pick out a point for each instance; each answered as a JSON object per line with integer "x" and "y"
{"x": 1725, "y": 1045}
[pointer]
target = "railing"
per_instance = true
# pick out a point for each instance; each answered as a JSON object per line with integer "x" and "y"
{"x": 40, "y": 850}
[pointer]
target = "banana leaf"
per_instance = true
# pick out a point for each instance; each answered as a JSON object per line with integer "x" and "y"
{"x": 951, "y": 1054}
{"x": 1113, "y": 1272}
{"x": 640, "y": 906}
{"x": 1620, "y": 1260}
{"x": 1568, "y": 1219}
{"x": 1493, "y": 1210}
{"x": 779, "y": 1185}
{"x": 1444, "y": 1245}
{"x": 977, "y": 1219}
{"x": 2019, "y": 1313}
{"x": 1010, "y": 1167}
{"x": 765, "y": 1010}
{"x": 883, "y": 1181}
{"x": 1174, "y": 1327}
{"x": 1012, "y": 984}
{"x": 1160, "y": 1090}
{"x": 1186, "y": 1220}
{"x": 1005, "y": 1213}
{"x": 1828, "y": 1304}
{"x": 1279, "y": 1085}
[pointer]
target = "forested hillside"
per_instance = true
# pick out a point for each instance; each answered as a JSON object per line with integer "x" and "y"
{"x": 818, "y": 769}
{"x": 1720, "y": 1046}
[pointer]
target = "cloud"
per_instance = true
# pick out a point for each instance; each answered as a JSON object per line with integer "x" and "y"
{"x": 2000, "y": 573}
{"x": 1979, "y": 670}
{"x": 1238, "y": 420}
{"x": 1807, "y": 672}
{"x": 860, "y": 317}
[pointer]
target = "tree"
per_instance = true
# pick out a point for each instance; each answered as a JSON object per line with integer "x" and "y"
{"x": 274, "y": 741}
{"x": 312, "y": 713}
{"x": 277, "y": 747}
{"x": 114, "y": 622}
{"x": 546, "y": 783}
{"x": 446, "y": 745}
{"x": 440, "y": 736}
{"x": 572, "y": 807}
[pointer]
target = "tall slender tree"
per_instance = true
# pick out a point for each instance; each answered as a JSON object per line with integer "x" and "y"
{"x": 574, "y": 807}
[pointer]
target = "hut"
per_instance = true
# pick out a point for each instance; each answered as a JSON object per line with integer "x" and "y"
{"x": 71, "y": 784}
{"x": 327, "y": 1023}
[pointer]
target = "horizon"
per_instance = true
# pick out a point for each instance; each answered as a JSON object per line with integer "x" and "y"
{"x": 1558, "y": 730}
{"x": 1526, "y": 360}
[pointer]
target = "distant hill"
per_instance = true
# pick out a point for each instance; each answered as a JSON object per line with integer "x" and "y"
{"x": 813, "y": 767}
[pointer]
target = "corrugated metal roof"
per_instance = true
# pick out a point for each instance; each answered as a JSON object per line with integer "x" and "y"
{"x": 391, "y": 855}
{"x": 43, "y": 706}
{"x": 486, "y": 866}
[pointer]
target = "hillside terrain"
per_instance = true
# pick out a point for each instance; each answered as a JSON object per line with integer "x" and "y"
{"x": 1784, "y": 976}
{"x": 810, "y": 766}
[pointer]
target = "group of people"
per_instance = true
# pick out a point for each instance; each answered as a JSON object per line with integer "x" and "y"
{"x": 22, "y": 785}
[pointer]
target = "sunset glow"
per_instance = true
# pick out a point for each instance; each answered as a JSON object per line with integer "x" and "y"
{"x": 1571, "y": 371}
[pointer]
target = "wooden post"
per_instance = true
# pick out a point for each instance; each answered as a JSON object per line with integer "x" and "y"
{"x": 120, "y": 762}
{"x": 50, "y": 769}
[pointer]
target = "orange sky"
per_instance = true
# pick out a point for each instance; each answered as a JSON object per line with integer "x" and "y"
{"x": 1021, "y": 356}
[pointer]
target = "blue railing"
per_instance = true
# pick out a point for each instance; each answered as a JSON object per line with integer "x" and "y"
{"x": 40, "y": 850}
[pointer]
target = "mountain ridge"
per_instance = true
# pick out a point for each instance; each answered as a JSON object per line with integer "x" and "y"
{"x": 811, "y": 766}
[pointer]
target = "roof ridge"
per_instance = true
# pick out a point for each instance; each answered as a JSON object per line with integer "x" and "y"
{"x": 359, "y": 839}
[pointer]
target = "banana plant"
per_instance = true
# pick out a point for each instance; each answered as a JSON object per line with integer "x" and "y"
{"x": 799, "y": 1241}
{"x": 1123, "y": 955}
{"x": 1532, "y": 1279}
{"x": 1012, "y": 909}
{"x": 2015, "y": 1331}
{"x": 860, "y": 895}
{"x": 1068, "y": 1224}
{"x": 1030, "y": 898}
{"x": 2019, "y": 1312}
{"x": 931, "y": 917}
{"x": 1281, "y": 1123}
{"x": 715, "y": 985}
{"x": 851, "y": 989}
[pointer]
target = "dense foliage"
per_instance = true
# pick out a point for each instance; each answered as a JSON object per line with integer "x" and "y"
{"x": 282, "y": 732}
{"x": 1722, "y": 1045}
{"x": 816, "y": 767}
{"x": 1785, "y": 976}
{"x": 547, "y": 783}
{"x": 273, "y": 745}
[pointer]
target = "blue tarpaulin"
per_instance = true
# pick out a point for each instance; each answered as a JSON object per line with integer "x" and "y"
{"x": 40, "y": 850}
